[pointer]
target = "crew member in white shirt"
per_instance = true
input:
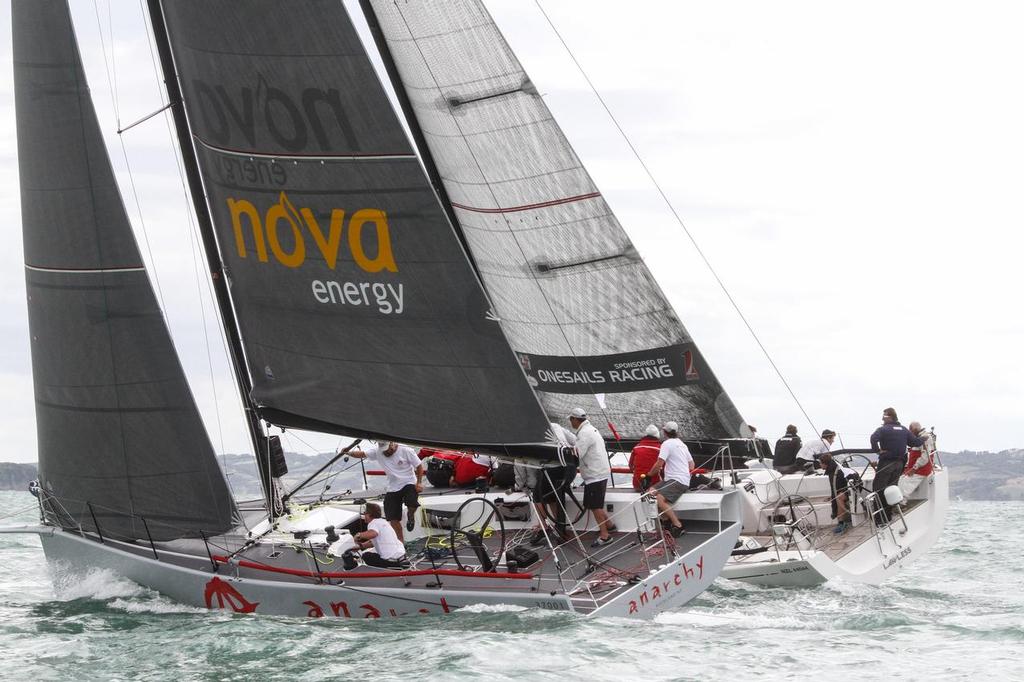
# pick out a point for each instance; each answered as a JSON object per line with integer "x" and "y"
{"x": 812, "y": 450}
{"x": 674, "y": 464}
{"x": 595, "y": 470}
{"x": 389, "y": 552}
{"x": 404, "y": 481}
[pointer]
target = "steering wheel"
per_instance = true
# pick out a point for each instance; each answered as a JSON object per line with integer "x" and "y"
{"x": 475, "y": 522}
{"x": 796, "y": 510}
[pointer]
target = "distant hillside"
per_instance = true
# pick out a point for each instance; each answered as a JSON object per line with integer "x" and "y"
{"x": 15, "y": 476}
{"x": 973, "y": 475}
{"x": 986, "y": 475}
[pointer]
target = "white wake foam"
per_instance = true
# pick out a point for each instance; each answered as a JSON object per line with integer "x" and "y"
{"x": 100, "y": 584}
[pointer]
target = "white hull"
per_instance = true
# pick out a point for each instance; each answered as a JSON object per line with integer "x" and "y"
{"x": 190, "y": 579}
{"x": 872, "y": 558}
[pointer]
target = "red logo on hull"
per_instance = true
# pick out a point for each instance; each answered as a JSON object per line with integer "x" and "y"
{"x": 225, "y": 593}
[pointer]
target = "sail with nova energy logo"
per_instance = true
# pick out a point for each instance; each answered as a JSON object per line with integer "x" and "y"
{"x": 121, "y": 443}
{"x": 577, "y": 303}
{"x": 359, "y": 310}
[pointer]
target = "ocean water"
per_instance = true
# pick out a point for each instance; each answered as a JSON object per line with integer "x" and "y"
{"x": 957, "y": 613}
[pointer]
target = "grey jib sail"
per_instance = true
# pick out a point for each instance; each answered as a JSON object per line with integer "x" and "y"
{"x": 359, "y": 310}
{"x": 117, "y": 425}
{"x": 576, "y": 302}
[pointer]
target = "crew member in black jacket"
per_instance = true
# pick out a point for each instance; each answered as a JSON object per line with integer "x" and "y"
{"x": 890, "y": 441}
{"x": 785, "y": 451}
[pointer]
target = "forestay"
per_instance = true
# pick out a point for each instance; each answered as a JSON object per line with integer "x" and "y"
{"x": 117, "y": 426}
{"x": 359, "y": 310}
{"x": 576, "y": 301}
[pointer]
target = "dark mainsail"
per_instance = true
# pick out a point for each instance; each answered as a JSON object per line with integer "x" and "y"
{"x": 359, "y": 310}
{"x": 579, "y": 306}
{"x": 118, "y": 429}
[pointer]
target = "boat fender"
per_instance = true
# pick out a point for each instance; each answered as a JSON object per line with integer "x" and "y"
{"x": 893, "y": 495}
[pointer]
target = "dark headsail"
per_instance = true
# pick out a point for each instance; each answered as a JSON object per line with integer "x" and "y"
{"x": 577, "y": 303}
{"x": 118, "y": 428}
{"x": 359, "y": 309}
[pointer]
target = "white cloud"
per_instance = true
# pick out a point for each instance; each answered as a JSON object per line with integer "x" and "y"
{"x": 852, "y": 173}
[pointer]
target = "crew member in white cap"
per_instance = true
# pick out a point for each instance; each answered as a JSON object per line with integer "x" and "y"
{"x": 595, "y": 470}
{"x": 642, "y": 458}
{"x": 676, "y": 461}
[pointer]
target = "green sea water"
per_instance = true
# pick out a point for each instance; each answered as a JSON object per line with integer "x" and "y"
{"x": 957, "y": 613}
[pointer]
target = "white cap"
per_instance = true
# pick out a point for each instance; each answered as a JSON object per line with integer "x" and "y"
{"x": 578, "y": 412}
{"x": 670, "y": 427}
{"x": 652, "y": 431}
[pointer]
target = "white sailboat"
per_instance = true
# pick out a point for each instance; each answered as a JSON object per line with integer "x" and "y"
{"x": 790, "y": 537}
{"x": 443, "y": 299}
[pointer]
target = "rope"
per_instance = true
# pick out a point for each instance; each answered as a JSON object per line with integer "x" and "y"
{"x": 676, "y": 215}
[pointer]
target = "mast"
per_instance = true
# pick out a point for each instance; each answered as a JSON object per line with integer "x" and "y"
{"x": 409, "y": 113}
{"x": 206, "y": 230}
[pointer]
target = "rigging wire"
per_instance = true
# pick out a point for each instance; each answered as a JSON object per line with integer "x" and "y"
{"x": 675, "y": 214}
{"x": 110, "y": 68}
{"x": 194, "y": 248}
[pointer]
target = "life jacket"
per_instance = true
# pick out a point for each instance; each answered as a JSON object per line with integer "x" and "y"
{"x": 467, "y": 471}
{"x": 441, "y": 467}
{"x": 924, "y": 470}
{"x": 643, "y": 457}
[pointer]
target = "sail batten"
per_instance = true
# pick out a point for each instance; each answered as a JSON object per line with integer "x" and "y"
{"x": 358, "y": 308}
{"x": 578, "y": 305}
{"x": 120, "y": 437}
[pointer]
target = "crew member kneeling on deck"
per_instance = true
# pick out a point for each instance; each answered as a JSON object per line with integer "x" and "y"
{"x": 595, "y": 470}
{"x": 675, "y": 461}
{"x": 389, "y": 550}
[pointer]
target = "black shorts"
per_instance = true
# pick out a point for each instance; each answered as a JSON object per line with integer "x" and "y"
{"x": 671, "y": 490}
{"x": 553, "y": 482}
{"x": 593, "y": 494}
{"x": 393, "y": 502}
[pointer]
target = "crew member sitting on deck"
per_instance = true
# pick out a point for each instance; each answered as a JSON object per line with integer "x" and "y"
{"x": 675, "y": 460}
{"x": 812, "y": 451}
{"x": 595, "y": 470}
{"x": 389, "y": 552}
{"x": 404, "y": 481}
{"x": 890, "y": 441}
{"x": 785, "y": 451}
{"x": 920, "y": 462}
{"x": 643, "y": 457}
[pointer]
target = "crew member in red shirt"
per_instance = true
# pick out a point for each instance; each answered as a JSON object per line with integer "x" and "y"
{"x": 644, "y": 454}
{"x": 468, "y": 468}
